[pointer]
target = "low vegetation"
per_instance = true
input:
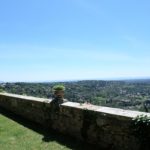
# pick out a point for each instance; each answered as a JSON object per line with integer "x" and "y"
{"x": 19, "y": 134}
{"x": 141, "y": 126}
{"x": 14, "y": 136}
{"x": 127, "y": 94}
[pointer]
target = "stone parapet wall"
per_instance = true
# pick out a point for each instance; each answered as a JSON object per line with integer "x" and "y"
{"x": 109, "y": 128}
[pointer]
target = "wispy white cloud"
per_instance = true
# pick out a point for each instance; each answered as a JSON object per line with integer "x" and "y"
{"x": 45, "y": 52}
{"x": 99, "y": 55}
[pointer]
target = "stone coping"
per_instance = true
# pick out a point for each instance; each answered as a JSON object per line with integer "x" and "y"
{"x": 26, "y": 97}
{"x": 106, "y": 110}
{"x": 101, "y": 109}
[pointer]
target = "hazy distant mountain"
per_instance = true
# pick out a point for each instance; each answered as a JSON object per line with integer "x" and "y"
{"x": 138, "y": 81}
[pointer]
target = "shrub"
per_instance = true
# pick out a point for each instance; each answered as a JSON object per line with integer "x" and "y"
{"x": 141, "y": 128}
{"x": 58, "y": 88}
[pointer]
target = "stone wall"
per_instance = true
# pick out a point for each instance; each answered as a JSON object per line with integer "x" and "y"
{"x": 109, "y": 128}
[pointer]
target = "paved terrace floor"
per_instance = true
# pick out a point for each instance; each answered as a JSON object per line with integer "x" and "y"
{"x": 17, "y": 133}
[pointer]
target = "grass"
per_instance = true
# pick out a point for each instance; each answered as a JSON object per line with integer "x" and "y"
{"x": 19, "y": 134}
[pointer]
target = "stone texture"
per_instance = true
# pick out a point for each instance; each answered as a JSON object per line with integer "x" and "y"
{"x": 109, "y": 128}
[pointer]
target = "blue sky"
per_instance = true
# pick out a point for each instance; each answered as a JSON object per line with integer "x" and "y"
{"x": 49, "y": 40}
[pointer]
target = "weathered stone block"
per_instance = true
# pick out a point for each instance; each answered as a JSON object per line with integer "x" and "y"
{"x": 109, "y": 128}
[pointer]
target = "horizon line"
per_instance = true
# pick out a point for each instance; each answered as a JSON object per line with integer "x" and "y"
{"x": 76, "y": 80}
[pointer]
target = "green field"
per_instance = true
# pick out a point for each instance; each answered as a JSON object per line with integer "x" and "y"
{"x": 17, "y": 134}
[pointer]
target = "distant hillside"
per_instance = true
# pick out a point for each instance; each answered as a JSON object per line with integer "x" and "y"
{"x": 138, "y": 81}
{"x": 126, "y": 94}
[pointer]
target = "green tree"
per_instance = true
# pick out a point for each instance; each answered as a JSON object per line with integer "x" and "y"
{"x": 1, "y": 90}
